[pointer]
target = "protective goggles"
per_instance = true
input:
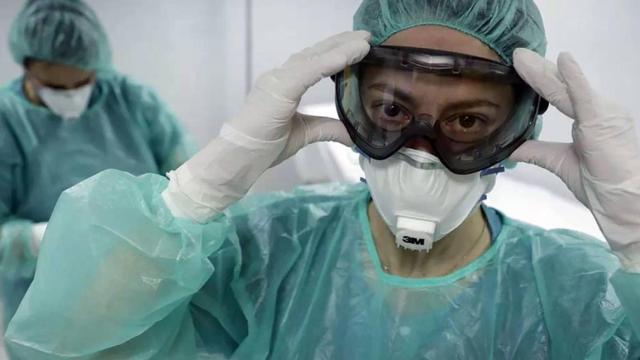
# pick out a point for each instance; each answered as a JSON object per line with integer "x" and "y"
{"x": 473, "y": 112}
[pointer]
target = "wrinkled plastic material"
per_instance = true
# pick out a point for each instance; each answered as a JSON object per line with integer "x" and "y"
{"x": 296, "y": 275}
{"x": 503, "y": 25}
{"x": 60, "y": 31}
{"x": 126, "y": 127}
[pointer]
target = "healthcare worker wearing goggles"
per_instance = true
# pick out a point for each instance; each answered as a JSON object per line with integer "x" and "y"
{"x": 67, "y": 118}
{"x": 185, "y": 267}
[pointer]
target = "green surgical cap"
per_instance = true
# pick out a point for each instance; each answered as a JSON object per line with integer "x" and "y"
{"x": 60, "y": 31}
{"x": 503, "y": 25}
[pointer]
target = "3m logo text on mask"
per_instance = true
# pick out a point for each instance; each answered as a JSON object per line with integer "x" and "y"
{"x": 412, "y": 240}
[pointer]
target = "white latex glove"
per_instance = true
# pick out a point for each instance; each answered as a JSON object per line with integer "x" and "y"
{"x": 37, "y": 234}
{"x": 602, "y": 165}
{"x": 265, "y": 132}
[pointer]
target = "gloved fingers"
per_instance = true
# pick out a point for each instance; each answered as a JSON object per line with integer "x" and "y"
{"x": 335, "y": 60}
{"x": 328, "y": 44}
{"x": 548, "y": 155}
{"x": 542, "y": 75}
{"x": 578, "y": 88}
{"x": 304, "y": 70}
{"x": 308, "y": 129}
{"x": 38, "y": 231}
{"x": 559, "y": 158}
{"x": 602, "y": 130}
{"x": 324, "y": 129}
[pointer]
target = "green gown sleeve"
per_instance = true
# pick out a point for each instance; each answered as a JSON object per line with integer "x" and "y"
{"x": 17, "y": 260}
{"x": 125, "y": 291}
{"x": 170, "y": 143}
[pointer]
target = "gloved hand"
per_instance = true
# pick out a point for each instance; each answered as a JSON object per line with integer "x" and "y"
{"x": 37, "y": 234}
{"x": 602, "y": 165}
{"x": 265, "y": 132}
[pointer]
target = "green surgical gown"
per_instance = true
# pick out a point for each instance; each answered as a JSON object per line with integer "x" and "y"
{"x": 126, "y": 127}
{"x": 296, "y": 276}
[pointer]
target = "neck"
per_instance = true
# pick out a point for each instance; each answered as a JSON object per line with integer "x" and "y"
{"x": 30, "y": 93}
{"x": 454, "y": 251}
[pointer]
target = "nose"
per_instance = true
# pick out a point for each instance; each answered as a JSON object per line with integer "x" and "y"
{"x": 426, "y": 122}
{"x": 420, "y": 143}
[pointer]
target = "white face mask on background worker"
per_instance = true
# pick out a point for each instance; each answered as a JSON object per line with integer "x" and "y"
{"x": 64, "y": 90}
{"x": 68, "y": 104}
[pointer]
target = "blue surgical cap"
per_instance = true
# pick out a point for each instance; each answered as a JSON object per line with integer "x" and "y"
{"x": 503, "y": 25}
{"x": 60, "y": 31}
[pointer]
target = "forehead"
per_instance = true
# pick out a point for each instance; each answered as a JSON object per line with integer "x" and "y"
{"x": 430, "y": 89}
{"x": 442, "y": 38}
{"x": 417, "y": 81}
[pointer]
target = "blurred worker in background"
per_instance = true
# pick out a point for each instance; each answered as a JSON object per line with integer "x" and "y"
{"x": 68, "y": 117}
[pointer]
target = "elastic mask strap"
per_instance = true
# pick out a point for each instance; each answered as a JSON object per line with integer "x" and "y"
{"x": 365, "y": 156}
{"x": 356, "y": 149}
{"x": 492, "y": 171}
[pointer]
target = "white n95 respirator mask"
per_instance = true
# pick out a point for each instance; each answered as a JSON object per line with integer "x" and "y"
{"x": 419, "y": 199}
{"x": 68, "y": 104}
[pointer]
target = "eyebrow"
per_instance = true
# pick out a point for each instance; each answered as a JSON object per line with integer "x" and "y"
{"x": 407, "y": 97}
{"x": 398, "y": 93}
{"x": 473, "y": 103}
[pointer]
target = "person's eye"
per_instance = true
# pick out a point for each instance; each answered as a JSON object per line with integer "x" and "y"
{"x": 390, "y": 116}
{"x": 465, "y": 127}
{"x": 392, "y": 110}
